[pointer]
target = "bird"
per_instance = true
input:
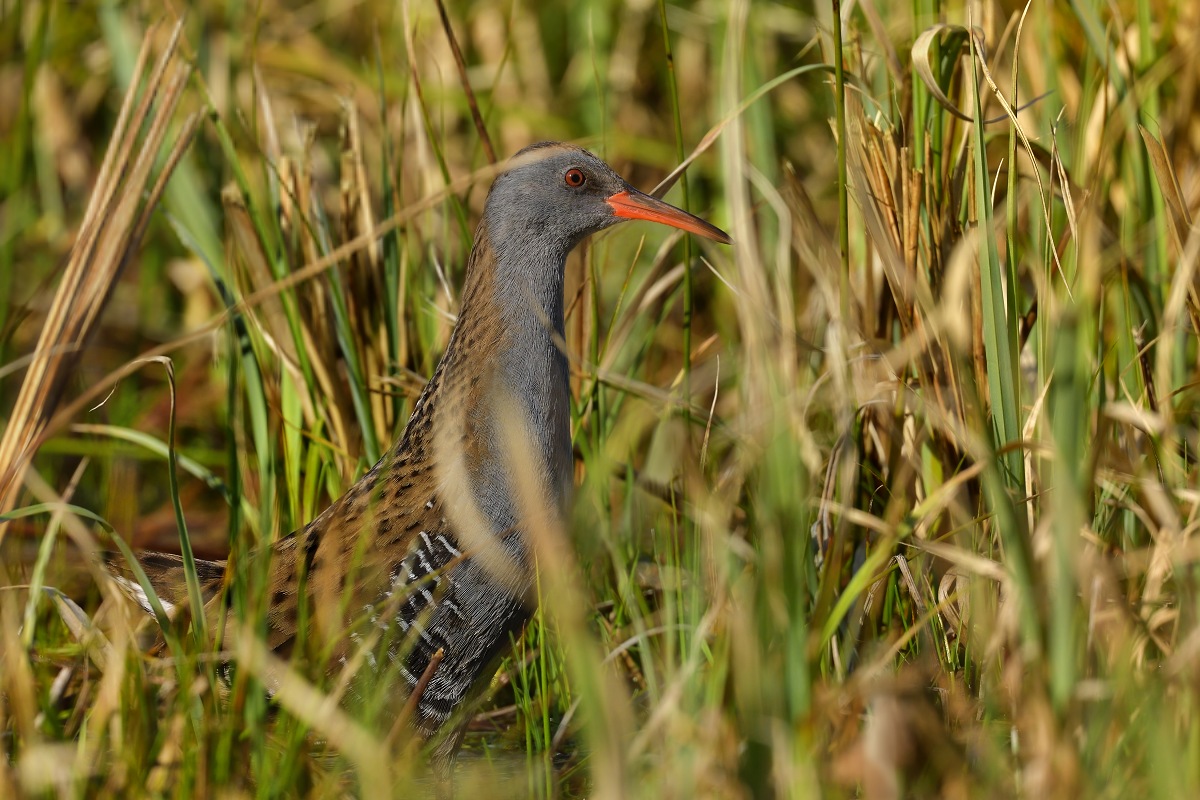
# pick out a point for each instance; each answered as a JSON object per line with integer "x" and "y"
{"x": 429, "y": 544}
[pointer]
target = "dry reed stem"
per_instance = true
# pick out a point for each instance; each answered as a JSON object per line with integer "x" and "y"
{"x": 110, "y": 230}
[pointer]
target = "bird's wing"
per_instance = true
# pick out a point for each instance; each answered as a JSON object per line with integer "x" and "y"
{"x": 409, "y": 580}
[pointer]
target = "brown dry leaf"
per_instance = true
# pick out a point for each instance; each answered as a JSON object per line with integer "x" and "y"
{"x": 957, "y": 40}
{"x": 904, "y": 746}
{"x": 1168, "y": 184}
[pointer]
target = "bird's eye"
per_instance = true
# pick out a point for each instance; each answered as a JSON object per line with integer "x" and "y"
{"x": 574, "y": 178}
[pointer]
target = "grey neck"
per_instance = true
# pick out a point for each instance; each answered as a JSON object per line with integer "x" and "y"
{"x": 529, "y": 298}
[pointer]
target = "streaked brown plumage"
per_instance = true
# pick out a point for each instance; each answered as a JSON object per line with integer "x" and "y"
{"x": 430, "y": 538}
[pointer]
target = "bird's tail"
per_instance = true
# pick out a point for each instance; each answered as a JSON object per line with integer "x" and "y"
{"x": 167, "y": 577}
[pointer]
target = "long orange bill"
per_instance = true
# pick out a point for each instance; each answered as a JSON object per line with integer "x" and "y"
{"x": 632, "y": 204}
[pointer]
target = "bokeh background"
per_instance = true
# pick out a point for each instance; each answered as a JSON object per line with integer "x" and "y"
{"x": 895, "y": 497}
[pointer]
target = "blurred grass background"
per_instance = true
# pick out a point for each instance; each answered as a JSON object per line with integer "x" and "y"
{"x": 896, "y": 497}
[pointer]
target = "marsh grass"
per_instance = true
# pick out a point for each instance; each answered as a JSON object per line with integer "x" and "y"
{"x": 895, "y": 497}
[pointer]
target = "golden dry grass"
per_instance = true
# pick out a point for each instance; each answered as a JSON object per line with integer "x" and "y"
{"x": 912, "y": 516}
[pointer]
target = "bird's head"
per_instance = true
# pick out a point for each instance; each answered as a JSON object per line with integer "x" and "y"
{"x": 554, "y": 195}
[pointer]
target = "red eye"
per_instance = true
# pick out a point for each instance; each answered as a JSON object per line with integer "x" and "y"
{"x": 574, "y": 178}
